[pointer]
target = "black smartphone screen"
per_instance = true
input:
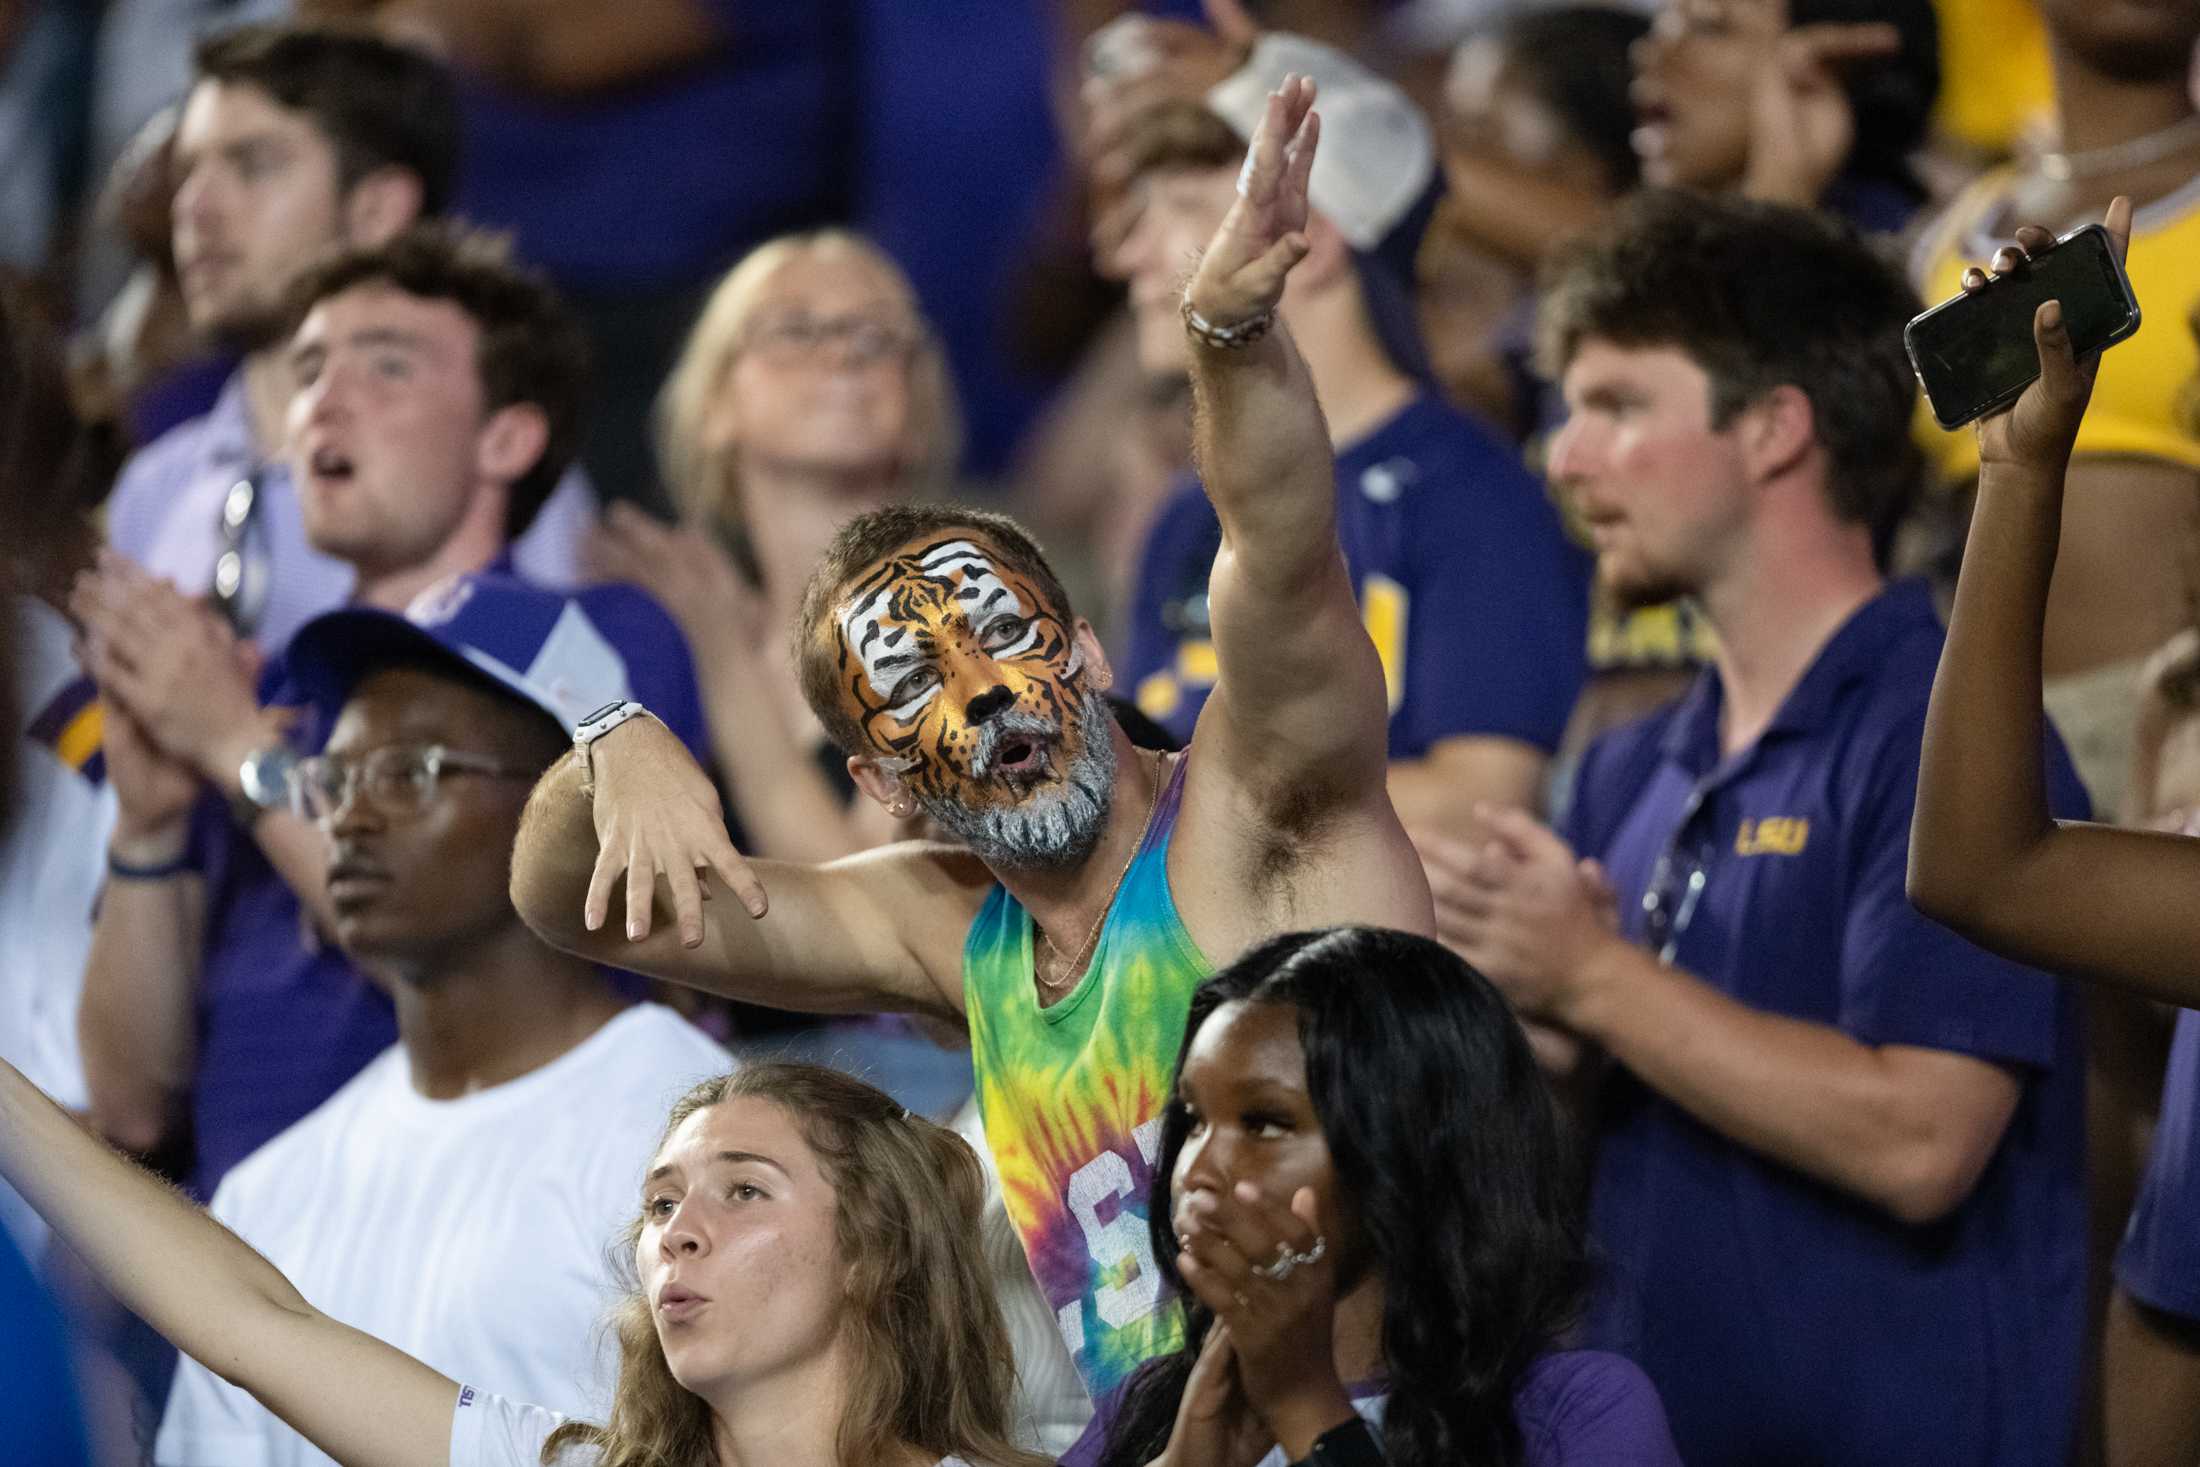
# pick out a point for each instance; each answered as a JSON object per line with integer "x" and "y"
{"x": 1975, "y": 352}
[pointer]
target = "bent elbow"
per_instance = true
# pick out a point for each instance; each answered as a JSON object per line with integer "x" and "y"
{"x": 1937, "y": 890}
{"x": 1927, "y": 1187}
{"x": 552, "y": 915}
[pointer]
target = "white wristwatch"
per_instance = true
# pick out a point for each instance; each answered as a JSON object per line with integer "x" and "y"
{"x": 594, "y": 727}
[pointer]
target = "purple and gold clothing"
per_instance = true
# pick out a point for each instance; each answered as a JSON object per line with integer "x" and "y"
{"x": 1072, "y": 1098}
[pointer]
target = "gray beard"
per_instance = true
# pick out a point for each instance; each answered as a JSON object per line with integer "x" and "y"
{"x": 1052, "y": 828}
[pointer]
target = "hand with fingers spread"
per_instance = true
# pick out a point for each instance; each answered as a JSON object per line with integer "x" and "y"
{"x": 1240, "y": 277}
{"x": 1216, "y": 1425}
{"x": 2039, "y": 429}
{"x": 658, "y": 818}
{"x": 1270, "y": 1276}
{"x": 178, "y": 668}
{"x": 1526, "y": 912}
{"x": 1136, "y": 63}
{"x": 1801, "y": 123}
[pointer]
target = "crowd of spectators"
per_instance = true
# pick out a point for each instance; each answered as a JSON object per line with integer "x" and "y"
{"x": 1334, "y": 630}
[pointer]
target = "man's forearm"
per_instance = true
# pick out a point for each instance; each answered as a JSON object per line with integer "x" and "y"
{"x": 1263, "y": 453}
{"x": 554, "y": 855}
{"x": 137, "y": 1024}
{"x": 1803, "y": 1094}
{"x": 1982, "y": 793}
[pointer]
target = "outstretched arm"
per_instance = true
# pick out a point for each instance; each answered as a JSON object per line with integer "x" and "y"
{"x": 600, "y": 876}
{"x": 216, "y": 1300}
{"x": 1986, "y": 858}
{"x": 1298, "y": 701}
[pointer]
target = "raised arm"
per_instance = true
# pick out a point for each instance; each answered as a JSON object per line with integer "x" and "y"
{"x": 1298, "y": 701}
{"x": 878, "y": 931}
{"x": 1986, "y": 858}
{"x": 216, "y": 1300}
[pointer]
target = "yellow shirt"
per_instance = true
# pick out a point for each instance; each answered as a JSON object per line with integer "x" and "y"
{"x": 2137, "y": 400}
{"x": 1994, "y": 80}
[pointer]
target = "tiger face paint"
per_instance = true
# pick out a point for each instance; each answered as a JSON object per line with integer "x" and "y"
{"x": 970, "y": 687}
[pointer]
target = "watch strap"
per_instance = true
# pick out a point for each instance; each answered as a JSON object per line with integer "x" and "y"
{"x": 594, "y": 727}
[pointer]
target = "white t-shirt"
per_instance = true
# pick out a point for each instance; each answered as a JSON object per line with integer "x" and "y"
{"x": 490, "y": 1431}
{"x": 52, "y": 861}
{"x": 475, "y": 1234}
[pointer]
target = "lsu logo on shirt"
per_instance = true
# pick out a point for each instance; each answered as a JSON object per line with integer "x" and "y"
{"x": 1775, "y": 835}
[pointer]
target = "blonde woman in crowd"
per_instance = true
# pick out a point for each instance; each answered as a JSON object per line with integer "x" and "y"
{"x": 810, "y": 390}
{"x": 808, "y": 1293}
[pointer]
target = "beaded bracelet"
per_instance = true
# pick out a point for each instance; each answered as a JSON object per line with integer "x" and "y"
{"x": 152, "y": 871}
{"x": 1232, "y": 336}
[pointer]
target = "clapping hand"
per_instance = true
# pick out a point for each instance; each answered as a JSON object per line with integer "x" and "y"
{"x": 1216, "y": 1425}
{"x": 1241, "y": 275}
{"x": 2039, "y": 429}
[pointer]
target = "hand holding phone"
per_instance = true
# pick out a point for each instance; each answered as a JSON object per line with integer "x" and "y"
{"x": 1981, "y": 351}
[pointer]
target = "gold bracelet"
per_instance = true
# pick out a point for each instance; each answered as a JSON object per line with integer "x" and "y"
{"x": 1231, "y": 337}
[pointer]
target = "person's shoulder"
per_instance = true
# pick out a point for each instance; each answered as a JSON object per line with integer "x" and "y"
{"x": 1439, "y": 438}
{"x": 273, "y": 1168}
{"x": 146, "y": 484}
{"x": 1592, "y": 1406}
{"x": 490, "y": 1431}
{"x": 659, "y": 1034}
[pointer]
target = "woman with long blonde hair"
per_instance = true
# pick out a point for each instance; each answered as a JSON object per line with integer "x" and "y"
{"x": 810, "y": 390}
{"x": 808, "y": 1292}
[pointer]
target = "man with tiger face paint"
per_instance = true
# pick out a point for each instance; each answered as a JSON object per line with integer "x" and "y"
{"x": 1094, "y": 884}
{"x": 1022, "y": 770}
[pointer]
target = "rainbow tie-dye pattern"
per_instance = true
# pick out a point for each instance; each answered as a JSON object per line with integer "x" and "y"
{"x": 1072, "y": 1098}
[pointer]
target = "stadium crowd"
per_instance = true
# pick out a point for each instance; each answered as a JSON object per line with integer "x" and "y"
{"x": 1219, "y": 734}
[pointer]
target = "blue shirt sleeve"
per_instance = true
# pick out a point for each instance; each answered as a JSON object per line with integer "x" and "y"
{"x": 1905, "y": 979}
{"x": 1498, "y": 607}
{"x": 660, "y": 670}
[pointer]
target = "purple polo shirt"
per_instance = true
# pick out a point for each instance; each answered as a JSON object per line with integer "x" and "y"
{"x": 1475, "y": 599}
{"x": 2159, "y": 1262}
{"x": 1783, "y": 1320}
{"x": 284, "y": 1018}
{"x": 166, "y": 509}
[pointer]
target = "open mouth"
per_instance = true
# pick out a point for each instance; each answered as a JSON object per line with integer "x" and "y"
{"x": 330, "y": 464}
{"x": 1018, "y": 757}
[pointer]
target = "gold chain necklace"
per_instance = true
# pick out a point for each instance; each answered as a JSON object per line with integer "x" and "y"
{"x": 1069, "y": 972}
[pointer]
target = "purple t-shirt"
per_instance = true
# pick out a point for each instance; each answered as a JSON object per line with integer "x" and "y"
{"x": 1576, "y": 1408}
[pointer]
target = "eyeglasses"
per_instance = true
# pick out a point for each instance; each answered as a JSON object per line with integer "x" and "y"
{"x": 1676, "y": 886}
{"x": 864, "y": 339}
{"x": 243, "y": 570}
{"x": 401, "y": 779}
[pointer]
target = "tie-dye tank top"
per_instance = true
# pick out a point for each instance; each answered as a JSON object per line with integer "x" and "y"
{"x": 1072, "y": 1098}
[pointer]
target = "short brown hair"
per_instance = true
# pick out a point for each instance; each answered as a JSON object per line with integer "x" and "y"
{"x": 1759, "y": 296}
{"x": 380, "y": 104}
{"x": 532, "y": 350}
{"x": 862, "y": 543}
{"x": 1179, "y": 136}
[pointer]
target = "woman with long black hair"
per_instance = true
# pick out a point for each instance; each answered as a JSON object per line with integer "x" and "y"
{"x": 1364, "y": 1188}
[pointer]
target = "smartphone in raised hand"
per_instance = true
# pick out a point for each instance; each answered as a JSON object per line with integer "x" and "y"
{"x": 1974, "y": 353}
